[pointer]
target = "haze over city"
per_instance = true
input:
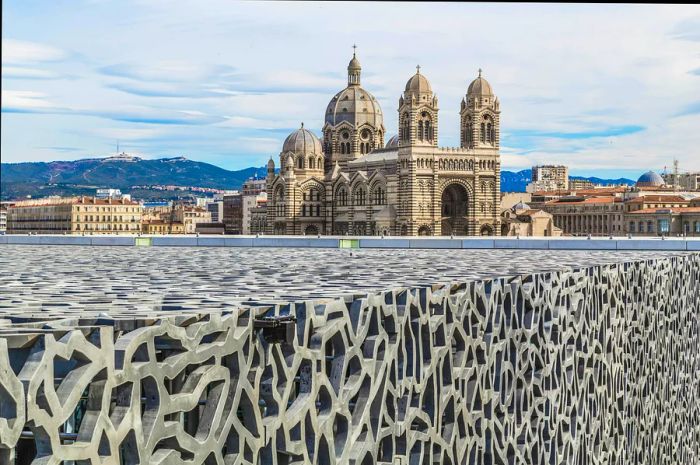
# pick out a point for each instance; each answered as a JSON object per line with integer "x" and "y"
{"x": 607, "y": 90}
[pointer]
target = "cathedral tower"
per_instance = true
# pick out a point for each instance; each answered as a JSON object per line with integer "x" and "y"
{"x": 418, "y": 113}
{"x": 480, "y": 116}
{"x": 354, "y": 124}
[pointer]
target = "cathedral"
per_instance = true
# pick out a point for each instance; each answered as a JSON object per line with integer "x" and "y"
{"x": 351, "y": 181}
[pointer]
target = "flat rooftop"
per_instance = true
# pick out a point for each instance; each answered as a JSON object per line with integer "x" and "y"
{"x": 49, "y": 281}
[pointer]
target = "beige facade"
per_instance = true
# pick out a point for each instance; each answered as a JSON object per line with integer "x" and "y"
{"x": 76, "y": 215}
{"x": 521, "y": 220}
{"x": 253, "y": 195}
{"x": 352, "y": 182}
{"x": 664, "y": 221}
{"x": 190, "y": 216}
{"x": 162, "y": 227}
{"x": 578, "y": 184}
{"x": 581, "y": 216}
{"x": 187, "y": 216}
{"x": 549, "y": 178}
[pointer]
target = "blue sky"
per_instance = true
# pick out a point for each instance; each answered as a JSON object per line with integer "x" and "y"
{"x": 610, "y": 90}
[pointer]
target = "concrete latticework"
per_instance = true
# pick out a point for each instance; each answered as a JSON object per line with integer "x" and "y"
{"x": 582, "y": 365}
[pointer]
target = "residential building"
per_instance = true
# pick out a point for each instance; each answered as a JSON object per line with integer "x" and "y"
{"x": 684, "y": 181}
{"x": 549, "y": 178}
{"x": 233, "y": 213}
{"x": 3, "y": 219}
{"x": 162, "y": 227}
{"x": 579, "y": 184}
{"x": 253, "y": 195}
{"x": 74, "y": 215}
{"x": 109, "y": 194}
{"x": 216, "y": 208}
{"x": 190, "y": 216}
{"x": 258, "y": 218}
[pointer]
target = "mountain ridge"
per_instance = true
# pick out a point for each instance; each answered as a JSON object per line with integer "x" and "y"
{"x": 131, "y": 174}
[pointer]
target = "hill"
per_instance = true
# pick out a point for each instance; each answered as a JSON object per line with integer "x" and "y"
{"x": 134, "y": 175}
{"x": 122, "y": 172}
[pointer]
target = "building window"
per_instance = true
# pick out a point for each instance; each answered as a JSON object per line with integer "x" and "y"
{"x": 664, "y": 226}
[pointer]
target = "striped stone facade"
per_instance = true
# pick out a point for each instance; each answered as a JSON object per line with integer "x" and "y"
{"x": 409, "y": 186}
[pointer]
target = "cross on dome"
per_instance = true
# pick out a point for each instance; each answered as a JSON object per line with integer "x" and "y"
{"x": 417, "y": 69}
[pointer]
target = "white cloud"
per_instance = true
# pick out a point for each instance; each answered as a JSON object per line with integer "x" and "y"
{"x": 565, "y": 74}
{"x": 20, "y": 51}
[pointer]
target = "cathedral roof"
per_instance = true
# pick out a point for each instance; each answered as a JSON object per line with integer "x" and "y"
{"x": 418, "y": 84}
{"x": 302, "y": 141}
{"x": 479, "y": 87}
{"x": 393, "y": 142}
{"x": 356, "y": 106}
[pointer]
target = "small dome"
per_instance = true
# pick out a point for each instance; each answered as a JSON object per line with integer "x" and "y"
{"x": 479, "y": 87}
{"x": 270, "y": 164}
{"x": 354, "y": 64}
{"x": 302, "y": 141}
{"x": 393, "y": 142}
{"x": 650, "y": 179}
{"x": 520, "y": 206}
{"x": 418, "y": 84}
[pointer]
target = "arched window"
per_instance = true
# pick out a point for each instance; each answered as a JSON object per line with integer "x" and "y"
{"x": 482, "y": 135}
{"x": 420, "y": 129}
{"x": 312, "y": 164}
{"x": 341, "y": 197}
{"x": 360, "y": 196}
{"x": 379, "y": 196}
{"x": 300, "y": 162}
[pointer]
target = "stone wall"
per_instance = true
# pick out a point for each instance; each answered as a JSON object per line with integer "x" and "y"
{"x": 596, "y": 365}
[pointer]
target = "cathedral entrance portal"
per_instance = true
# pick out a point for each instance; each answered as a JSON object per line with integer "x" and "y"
{"x": 454, "y": 210}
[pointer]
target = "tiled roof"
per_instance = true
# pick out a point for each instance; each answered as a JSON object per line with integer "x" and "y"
{"x": 660, "y": 211}
{"x": 659, "y": 198}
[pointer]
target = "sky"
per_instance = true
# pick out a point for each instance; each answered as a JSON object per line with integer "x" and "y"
{"x": 609, "y": 90}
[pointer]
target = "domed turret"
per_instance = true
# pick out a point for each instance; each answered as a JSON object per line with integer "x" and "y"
{"x": 418, "y": 112}
{"x": 480, "y": 116}
{"x": 650, "y": 179}
{"x": 479, "y": 87}
{"x": 354, "y": 70}
{"x": 302, "y": 141}
{"x": 354, "y": 122}
{"x": 417, "y": 86}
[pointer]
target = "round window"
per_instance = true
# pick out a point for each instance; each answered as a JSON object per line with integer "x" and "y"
{"x": 345, "y": 135}
{"x": 365, "y": 134}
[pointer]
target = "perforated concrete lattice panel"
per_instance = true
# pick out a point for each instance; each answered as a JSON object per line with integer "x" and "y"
{"x": 571, "y": 358}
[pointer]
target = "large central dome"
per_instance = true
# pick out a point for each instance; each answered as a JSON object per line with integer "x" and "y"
{"x": 354, "y": 104}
